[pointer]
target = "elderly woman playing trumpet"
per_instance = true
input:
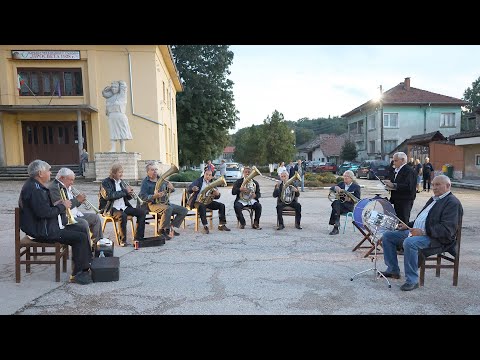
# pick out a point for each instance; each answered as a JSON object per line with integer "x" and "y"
{"x": 343, "y": 203}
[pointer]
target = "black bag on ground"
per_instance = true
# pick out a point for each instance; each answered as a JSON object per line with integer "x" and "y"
{"x": 105, "y": 269}
{"x": 151, "y": 241}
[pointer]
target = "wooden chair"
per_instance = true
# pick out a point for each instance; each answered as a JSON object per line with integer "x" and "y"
{"x": 287, "y": 211}
{"x": 193, "y": 213}
{"x": 451, "y": 254}
{"x": 26, "y": 246}
{"x": 109, "y": 218}
{"x": 250, "y": 211}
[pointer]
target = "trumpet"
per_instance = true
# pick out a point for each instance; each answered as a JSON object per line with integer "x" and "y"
{"x": 70, "y": 219}
{"x": 87, "y": 204}
{"x": 133, "y": 194}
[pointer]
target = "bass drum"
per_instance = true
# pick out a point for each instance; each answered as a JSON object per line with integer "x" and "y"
{"x": 371, "y": 212}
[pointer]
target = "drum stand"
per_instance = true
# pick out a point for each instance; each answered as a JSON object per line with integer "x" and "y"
{"x": 376, "y": 272}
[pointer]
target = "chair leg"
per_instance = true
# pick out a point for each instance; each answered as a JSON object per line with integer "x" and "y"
{"x": 17, "y": 264}
{"x": 27, "y": 257}
{"x": 437, "y": 268}
{"x": 65, "y": 257}
{"x": 455, "y": 271}
{"x": 57, "y": 263}
{"x": 422, "y": 270}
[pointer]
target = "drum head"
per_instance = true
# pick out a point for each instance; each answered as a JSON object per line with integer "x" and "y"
{"x": 376, "y": 203}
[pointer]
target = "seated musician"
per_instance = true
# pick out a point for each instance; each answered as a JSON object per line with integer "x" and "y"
{"x": 40, "y": 220}
{"x": 159, "y": 202}
{"x": 197, "y": 187}
{"x": 435, "y": 226}
{"x": 114, "y": 200}
{"x": 343, "y": 203}
{"x": 91, "y": 222}
{"x": 247, "y": 195}
{"x": 287, "y": 195}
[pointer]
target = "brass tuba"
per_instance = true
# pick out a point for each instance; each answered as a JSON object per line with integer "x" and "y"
{"x": 206, "y": 195}
{"x": 288, "y": 196}
{"x": 342, "y": 196}
{"x": 164, "y": 199}
{"x": 70, "y": 219}
{"x": 250, "y": 185}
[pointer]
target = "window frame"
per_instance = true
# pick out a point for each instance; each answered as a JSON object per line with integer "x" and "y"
{"x": 389, "y": 115}
{"x": 443, "y": 117}
{"x": 29, "y": 73}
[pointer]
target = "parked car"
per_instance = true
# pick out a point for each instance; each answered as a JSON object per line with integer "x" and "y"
{"x": 370, "y": 168}
{"x": 234, "y": 172}
{"x": 314, "y": 166}
{"x": 327, "y": 167}
{"x": 348, "y": 165}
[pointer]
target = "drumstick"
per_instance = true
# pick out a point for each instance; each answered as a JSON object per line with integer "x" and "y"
{"x": 395, "y": 216}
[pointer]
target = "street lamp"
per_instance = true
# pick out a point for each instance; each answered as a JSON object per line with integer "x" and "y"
{"x": 382, "y": 152}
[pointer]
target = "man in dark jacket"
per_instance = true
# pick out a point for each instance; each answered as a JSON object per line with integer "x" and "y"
{"x": 114, "y": 196}
{"x": 194, "y": 189}
{"x": 403, "y": 187}
{"x": 41, "y": 220}
{"x": 247, "y": 195}
{"x": 435, "y": 226}
{"x": 287, "y": 198}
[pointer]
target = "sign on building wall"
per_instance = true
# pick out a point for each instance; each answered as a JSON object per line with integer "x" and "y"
{"x": 46, "y": 54}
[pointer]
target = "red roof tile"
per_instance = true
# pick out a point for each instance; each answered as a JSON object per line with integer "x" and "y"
{"x": 229, "y": 150}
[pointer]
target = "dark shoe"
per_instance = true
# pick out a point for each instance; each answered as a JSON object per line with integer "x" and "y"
{"x": 390, "y": 275}
{"x": 281, "y": 227}
{"x": 408, "y": 287}
{"x": 205, "y": 230}
{"x": 256, "y": 226}
{"x": 334, "y": 231}
{"x": 223, "y": 227}
{"x": 122, "y": 244}
{"x": 82, "y": 278}
{"x": 242, "y": 226}
{"x": 298, "y": 226}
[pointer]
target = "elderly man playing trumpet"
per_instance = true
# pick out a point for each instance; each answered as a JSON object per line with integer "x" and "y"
{"x": 89, "y": 221}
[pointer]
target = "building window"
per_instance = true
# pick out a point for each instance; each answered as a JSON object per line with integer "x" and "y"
{"x": 372, "y": 147}
{"x": 477, "y": 159}
{"x": 371, "y": 122}
{"x": 390, "y": 120}
{"x": 447, "y": 120}
{"x": 50, "y": 82}
{"x": 389, "y": 145}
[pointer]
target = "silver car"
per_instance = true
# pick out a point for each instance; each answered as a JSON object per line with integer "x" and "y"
{"x": 234, "y": 172}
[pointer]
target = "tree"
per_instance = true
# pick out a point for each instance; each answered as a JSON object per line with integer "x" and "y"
{"x": 278, "y": 139}
{"x": 249, "y": 147}
{"x": 472, "y": 96}
{"x": 205, "y": 108}
{"x": 349, "y": 151}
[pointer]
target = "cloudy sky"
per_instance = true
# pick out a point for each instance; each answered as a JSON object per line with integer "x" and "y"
{"x": 320, "y": 80}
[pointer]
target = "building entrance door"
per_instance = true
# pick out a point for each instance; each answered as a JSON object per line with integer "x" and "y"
{"x": 53, "y": 142}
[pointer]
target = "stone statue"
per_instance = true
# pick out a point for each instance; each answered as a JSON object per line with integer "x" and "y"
{"x": 116, "y": 97}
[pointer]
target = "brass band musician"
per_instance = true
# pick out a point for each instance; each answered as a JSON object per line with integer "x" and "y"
{"x": 114, "y": 200}
{"x": 194, "y": 189}
{"x": 163, "y": 206}
{"x": 90, "y": 222}
{"x": 287, "y": 195}
{"x": 346, "y": 204}
{"x": 247, "y": 195}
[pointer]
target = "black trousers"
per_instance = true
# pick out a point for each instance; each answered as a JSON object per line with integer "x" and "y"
{"x": 339, "y": 208}
{"x": 257, "y": 207}
{"x": 426, "y": 181}
{"x": 403, "y": 209}
{"x": 122, "y": 217}
{"x": 74, "y": 235}
{"x": 298, "y": 211}
{"x": 214, "y": 205}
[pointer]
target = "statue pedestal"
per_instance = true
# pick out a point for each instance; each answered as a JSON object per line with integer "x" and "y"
{"x": 105, "y": 160}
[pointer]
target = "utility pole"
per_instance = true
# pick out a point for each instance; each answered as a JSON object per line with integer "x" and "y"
{"x": 382, "y": 152}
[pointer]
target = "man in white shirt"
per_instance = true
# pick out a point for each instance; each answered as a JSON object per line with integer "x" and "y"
{"x": 435, "y": 226}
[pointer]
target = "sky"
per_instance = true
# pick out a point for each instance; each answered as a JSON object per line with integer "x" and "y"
{"x": 313, "y": 81}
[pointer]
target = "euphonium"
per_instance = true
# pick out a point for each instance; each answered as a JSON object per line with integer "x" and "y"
{"x": 133, "y": 194}
{"x": 70, "y": 219}
{"x": 206, "y": 195}
{"x": 288, "y": 196}
{"x": 164, "y": 199}
{"x": 342, "y": 196}
{"x": 87, "y": 204}
{"x": 250, "y": 185}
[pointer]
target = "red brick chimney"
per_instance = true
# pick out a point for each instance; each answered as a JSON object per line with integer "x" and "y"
{"x": 406, "y": 85}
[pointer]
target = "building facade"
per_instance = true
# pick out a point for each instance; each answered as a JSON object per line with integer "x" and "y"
{"x": 51, "y": 103}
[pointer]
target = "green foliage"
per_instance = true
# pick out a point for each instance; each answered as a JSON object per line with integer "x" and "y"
{"x": 472, "y": 95}
{"x": 185, "y": 176}
{"x": 303, "y": 135}
{"x": 249, "y": 148}
{"x": 277, "y": 139}
{"x": 205, "y": 108}
{"x": 349, "y": 151}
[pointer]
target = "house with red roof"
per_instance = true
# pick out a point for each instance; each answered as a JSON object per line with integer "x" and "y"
{"x": 379, "y": 126}
{"x": 324, "y": 148}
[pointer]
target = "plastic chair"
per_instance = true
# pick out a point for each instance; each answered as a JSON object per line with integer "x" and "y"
{"x": 346, "y": 218}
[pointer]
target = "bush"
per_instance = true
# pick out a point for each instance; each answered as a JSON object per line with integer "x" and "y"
{"x": 185, "y": 176}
